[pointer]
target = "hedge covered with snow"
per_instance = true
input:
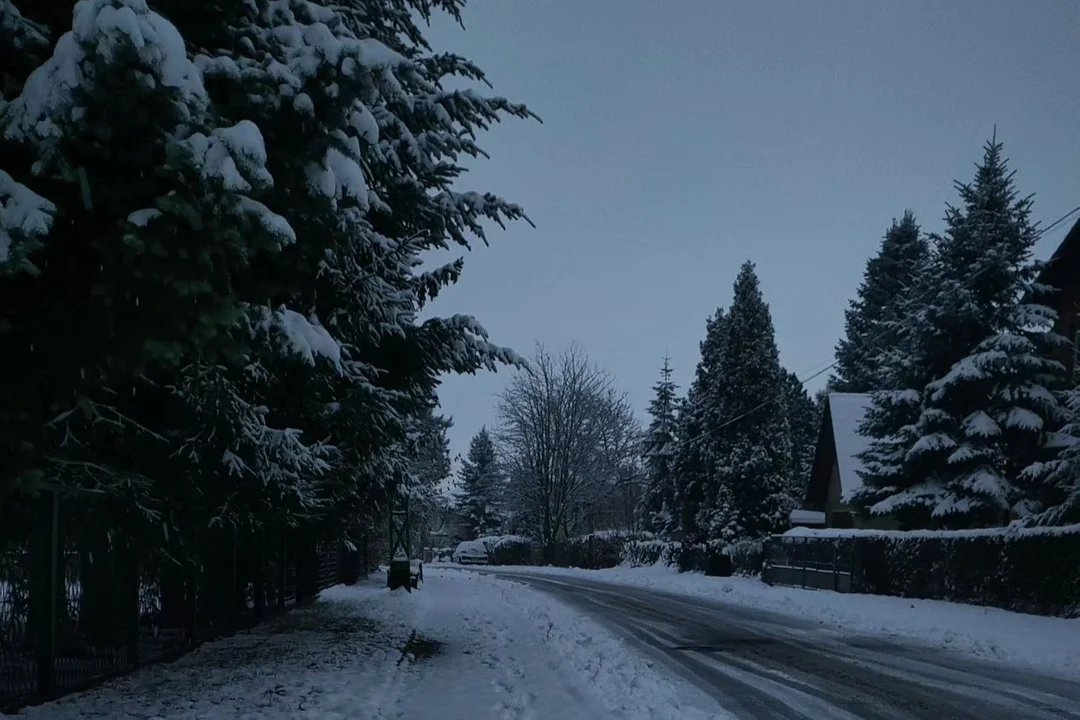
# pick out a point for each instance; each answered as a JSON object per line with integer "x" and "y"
{"x": 508, "y": 549}
{"x": 1034, "y": 570}
{"x": 609, "y": 548}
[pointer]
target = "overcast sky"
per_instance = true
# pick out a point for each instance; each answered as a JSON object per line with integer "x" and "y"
{"x": 681, "y": 138}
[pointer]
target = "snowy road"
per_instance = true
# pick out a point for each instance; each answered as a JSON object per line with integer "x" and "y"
{"x": 758, "y": 664}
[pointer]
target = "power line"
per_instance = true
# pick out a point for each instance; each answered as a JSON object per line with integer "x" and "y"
{"x": 832, "y": 364}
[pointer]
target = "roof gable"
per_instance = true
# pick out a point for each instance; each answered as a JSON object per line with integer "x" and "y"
{"x": 847, "y": 411}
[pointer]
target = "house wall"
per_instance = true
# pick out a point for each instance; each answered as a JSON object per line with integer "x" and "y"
{"x": 841, "y": 514}
{"x": 1062, "y": 274}
{"x": 1067, "y": 304}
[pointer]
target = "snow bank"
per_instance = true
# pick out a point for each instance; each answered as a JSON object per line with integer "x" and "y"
{"x": 1048, "y": 644}
{"x": 625, "y": 682}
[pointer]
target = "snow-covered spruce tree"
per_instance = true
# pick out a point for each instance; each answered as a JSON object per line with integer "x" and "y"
{"x": 479, "y": 482}
{"x": 868, "y": 322}
{"x": 804, "y": 419}
{"x": 753, "y": 465}
{"x": 1059, "y": 478}
{"x": 697, "y": 438}
{"x": 429, "y": 468}
{"x": 657, "y": 510}
{"x": 364, "y": 142}
{"x": 986, "y": 413}
{"x": 160, "y": 212}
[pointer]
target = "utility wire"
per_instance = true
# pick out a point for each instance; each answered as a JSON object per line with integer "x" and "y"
{"x": 831, "y": 365}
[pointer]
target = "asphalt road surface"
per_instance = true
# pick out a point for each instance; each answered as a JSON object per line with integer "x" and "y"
{"x": 759, "y": 664}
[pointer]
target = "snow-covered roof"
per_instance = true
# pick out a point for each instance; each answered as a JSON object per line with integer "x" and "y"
{"x": 847, "y": 411}
{"x": 806, "y": 517}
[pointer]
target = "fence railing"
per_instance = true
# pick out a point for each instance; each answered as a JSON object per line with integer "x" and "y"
{"x": 809, "y": 563}
{"x": 87, "y": 592}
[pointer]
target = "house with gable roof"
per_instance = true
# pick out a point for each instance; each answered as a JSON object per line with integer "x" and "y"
{"x": 1062, "y": 272}
{"x": 835, "y": 474}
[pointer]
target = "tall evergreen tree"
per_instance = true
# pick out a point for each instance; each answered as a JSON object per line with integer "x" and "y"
{"x": 971, "y": 458}
{"x": 804, "y": 418}
{"x": 657, "y": 510}
{"x": 479, "y": 479}
{"x": 698, "y": 421}
{"x": 753, "y": 469}
{"x": 869, "y": 322}
{"x": 246, "y": 189}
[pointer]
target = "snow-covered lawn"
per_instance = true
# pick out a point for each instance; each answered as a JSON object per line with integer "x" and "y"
{"x": 1048, "y": 644}
{"x": 480, "y": 647}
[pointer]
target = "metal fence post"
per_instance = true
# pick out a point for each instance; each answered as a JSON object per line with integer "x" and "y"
{"x": 47, "y": 588}
{"x": 835, "y": 569}
{"x": 132, "y": 577}
{"x": 227, "y": 595}
{"x": 283, "y": 568}
{"x": 260, "y": 577}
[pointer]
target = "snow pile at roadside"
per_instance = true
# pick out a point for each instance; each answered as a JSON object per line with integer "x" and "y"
{"x": 624, "y": 680}
{"x": 1049, "y": 644}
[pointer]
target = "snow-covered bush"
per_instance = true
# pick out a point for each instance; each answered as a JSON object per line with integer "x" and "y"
{"x": 508, "y": 549}
{"x": 651, "y": 552}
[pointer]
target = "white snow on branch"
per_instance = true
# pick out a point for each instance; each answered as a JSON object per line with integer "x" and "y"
{"x": 270, "y": 221}
{"x": 142, "y": 218}
{"x": 979, "y": 424}
{"x": 99, "y": 29}
{"x": 1019, "y": 418}
{"x": 340, "y": 176}
{"x": 234, "y": 155}
{"x": 304, "y": 337}
{"x": 25, "y": 217}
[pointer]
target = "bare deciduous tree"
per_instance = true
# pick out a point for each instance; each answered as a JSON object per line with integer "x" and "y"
{"x": 568, "y": 441}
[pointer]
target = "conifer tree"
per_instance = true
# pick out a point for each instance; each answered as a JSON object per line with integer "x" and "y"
{"x": 657, "y": 511}
{"x": 753, "y": 467}
{"x": 869, "y": 327}
{"x": 972, "y": 457}
{"x": 698, "y": 422}
{"x": 804, "y": 419}
{"x": 478, "y": 478}
{"x": 246, "y": 190}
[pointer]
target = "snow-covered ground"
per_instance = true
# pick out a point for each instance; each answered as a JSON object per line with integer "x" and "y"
{"x": 502, "y": 651}
{"x": 1048, "y": 644}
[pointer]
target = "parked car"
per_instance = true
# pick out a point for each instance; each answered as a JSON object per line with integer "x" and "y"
{"x": 471, "y": 552}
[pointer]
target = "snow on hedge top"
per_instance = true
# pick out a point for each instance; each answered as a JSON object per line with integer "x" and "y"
{"x": 847, "y": 411}
{"x": 25, "y": 216}
{"x": 493, "y": 542}
{"x": 100, "y": 28}
{"x": 1008, "y": 532}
